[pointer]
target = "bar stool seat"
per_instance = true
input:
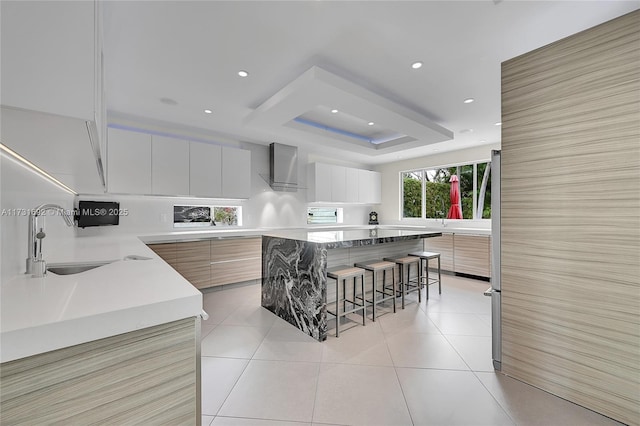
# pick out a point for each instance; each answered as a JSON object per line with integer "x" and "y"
{"x": 424, "y": 279}
{"x": 375, "y": 266}
{"x": 404, "y": 264}
{"x": 341, "y": 274}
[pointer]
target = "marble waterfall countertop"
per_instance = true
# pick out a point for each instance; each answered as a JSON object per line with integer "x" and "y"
{"x": 357, "y": 237}
{"x": 56, "y": 311}
{"x": 294, "y": 265}
{"x": 239, "y": 232}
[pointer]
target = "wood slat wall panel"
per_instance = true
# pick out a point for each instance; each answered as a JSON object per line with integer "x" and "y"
{"x": 143, "y": 377}
{"x": 472, "y": 255}
{"x": 571, "y": 218}
{"x": 444, "y": 246}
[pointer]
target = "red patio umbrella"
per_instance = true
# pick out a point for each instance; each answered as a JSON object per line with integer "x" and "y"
{"x": 455, "y": 211}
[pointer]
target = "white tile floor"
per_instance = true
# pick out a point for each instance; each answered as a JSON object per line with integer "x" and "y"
{"x": 429, "y": 364}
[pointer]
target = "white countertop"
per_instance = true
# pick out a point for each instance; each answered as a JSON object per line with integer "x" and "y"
{"x": 43, "y": 314}
{"x": 201, "y": 234}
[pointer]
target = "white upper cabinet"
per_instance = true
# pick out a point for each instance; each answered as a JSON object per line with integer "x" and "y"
{"x": 52, "y": 64}
{"x": 139, "y": 163}
{"x": 128, "y": 162}
{"x": 169, "y": 166}
{"x": 338, "y": 184}
{"x": 370, "y": 187}
{"x": 319, "y": 182}
{"x": 50, "y": 56}
{"x": 55, "y": 144}
{"x": 236, "y": 173}
{"x": 205, "y": 170}
{"x": 352, "y": 189}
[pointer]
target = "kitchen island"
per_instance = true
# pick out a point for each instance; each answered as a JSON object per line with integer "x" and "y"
{"x": 294, "y": 267}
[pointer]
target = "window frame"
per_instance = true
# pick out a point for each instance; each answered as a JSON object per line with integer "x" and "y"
{"x": 423, "y": 172}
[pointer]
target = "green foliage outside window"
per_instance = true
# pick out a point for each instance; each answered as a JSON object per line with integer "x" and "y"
{"x": 226, "y": 215}
{"x": 412, "y": 199}
{"x": 437, "y": 191}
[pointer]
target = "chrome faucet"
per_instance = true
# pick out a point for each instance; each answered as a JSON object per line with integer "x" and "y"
{"x": 35, "y": 263}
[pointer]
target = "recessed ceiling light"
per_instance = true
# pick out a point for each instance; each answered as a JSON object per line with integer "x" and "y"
{"x": 499, "y": 123}
{"x": 207, "y": 111}
{"x": 334, "y": 111}
{"x": 416, "y": 65}
{"x": 243, "y": 73}
{"x": 371, "y": 123}
{"x": 482, "y": 141}
{"x": 468, "y": 100}
{"x": 466, "y": 130}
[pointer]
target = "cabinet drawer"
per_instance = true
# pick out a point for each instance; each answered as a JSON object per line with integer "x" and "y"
{"x": 444, "y": 246}
{"x": 235, "y": 249}
{"x": 167, "y": 251}
{"x": 197, "y": 273}
{"x": 193, "y": 251}
{"x": 236, "y": 271}
{"x": 472, "y": 254}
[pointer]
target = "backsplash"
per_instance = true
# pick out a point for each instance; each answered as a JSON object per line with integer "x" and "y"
{"x": 21, "y": 190}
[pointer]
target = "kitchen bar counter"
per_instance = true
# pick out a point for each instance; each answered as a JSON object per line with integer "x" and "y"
{"x": 224, "y": 232}
{"x": 294, "y": 267}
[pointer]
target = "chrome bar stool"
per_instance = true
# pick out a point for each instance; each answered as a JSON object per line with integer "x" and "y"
{"x": 424, "y": 279}
{"x": 375, "y": 266}
{"x": 341, "y": 274}
{"x": 404, "y": 264}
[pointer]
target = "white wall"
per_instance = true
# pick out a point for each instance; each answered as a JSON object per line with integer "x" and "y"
{"x": 390, "y": 210}
{"x": 21, "y": 188}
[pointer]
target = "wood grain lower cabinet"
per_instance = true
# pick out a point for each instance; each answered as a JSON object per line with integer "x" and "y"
{"x": 147, "y": 376}
{"x": 472, "y": 254}
{"x": 167, "y": 251}
{"x": 236, "y": 260}
{"x": 214, "y": 262}
{"x": 193, "y": 260}
{"x": 444, "y": 246}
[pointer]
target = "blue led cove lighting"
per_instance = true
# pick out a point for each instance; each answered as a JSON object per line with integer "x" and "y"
{"x": 332, "y": 129}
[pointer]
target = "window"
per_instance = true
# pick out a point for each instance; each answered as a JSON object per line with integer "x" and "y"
{"x": 323, "y": 215}
{"x": 202, "y": 216}
{"x": 427, "y": 193}
{"x": 412, "y": 194}
{"x": 483, "y": 178}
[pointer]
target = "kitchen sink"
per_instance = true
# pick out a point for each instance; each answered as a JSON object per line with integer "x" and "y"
{"x": 75, "y": 268}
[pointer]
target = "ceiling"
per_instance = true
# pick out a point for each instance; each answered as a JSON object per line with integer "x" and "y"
{"x": 305, "y": 58}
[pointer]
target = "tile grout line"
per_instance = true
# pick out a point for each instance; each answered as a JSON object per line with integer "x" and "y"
{"x": 494, "y": 398}
{"x": 243, "y": 370}
{"x": 234, "y": 384}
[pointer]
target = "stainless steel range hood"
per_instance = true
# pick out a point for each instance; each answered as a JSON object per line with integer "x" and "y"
{"x": 283, "y": 170}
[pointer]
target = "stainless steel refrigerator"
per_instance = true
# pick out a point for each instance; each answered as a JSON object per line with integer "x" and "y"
{"x": 495, "y": 291}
